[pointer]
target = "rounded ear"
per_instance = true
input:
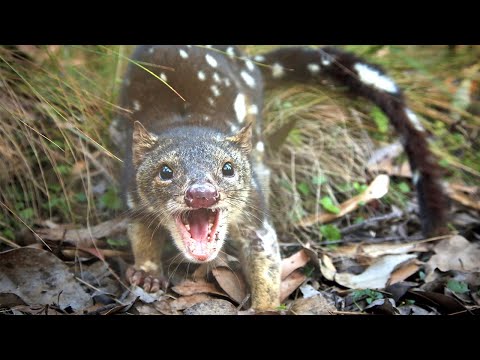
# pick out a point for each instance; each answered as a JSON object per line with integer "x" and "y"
{"x": 143, "y": 142}
{"x": 243, "y": 138}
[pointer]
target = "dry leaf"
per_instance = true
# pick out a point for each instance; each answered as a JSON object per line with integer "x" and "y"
{"x": 291, "y": 283}
{"x": 185, "y": 302}
{"x": 39, "y": 277}
{"x": 144, "y": 309}
{"x": 327, "y": 268}
{"x": 8, "y": 300}
{"x": 212, "y": 307}
{"x": 164, "y": 307}
{"x": 376, "y": 190}
{"x": 382, "y": 306}
{"x": 470, "y": 200}
{"x": 376, "y": 276}
{"x": 308, "y": 291}
{"x": 38, "y": 310}
{"x": 85, "y": 236}
{"x": 439, "y": 301}
{"x": 189, "y": 287}
{"x": 232, "y": 283}
{"x": 297, "y": 260}
{"x": 454, "y": 253}
{"x": 403, "y": 272}
{"x": 315, "y": 305}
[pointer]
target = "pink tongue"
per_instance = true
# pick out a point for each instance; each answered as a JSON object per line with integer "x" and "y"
{"x": 198, "y": 220}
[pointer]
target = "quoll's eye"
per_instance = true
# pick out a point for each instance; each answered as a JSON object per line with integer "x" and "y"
{"x": 227, "y": 169}
{"x": 166, "y": 173}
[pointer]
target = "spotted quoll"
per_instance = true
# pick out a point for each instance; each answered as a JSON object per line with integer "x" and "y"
{"x": 194, "y": 152}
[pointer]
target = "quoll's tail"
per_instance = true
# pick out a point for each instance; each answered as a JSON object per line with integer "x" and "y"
{"x": 368, "y": 80}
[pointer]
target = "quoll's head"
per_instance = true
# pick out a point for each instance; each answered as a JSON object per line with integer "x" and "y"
{"x": 193, "y": 180}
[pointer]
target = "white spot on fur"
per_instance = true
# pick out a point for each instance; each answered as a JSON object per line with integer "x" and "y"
{"x": 211, "y": 101}
{"x": 373, "y": 77}
{"x": 201, "y": 75}
{"x": 227, "y": 82}
{"x": 260, "y": 146}
{"x": 151, "y": 50}
{"x": 130, "y": 202}
{"x": 183, "y": 54}
{"x": 163, "y": 77}
{"x": 206, "y": 118}
{"x": 313, "y": 68}
{"x": 249, "y": 80}
{"x": 249, "y": 65}
{"x": 240, "y": 108}
{"x": 231, "y": 52}
{"x": 253, "y": 109}
{"x": 136, "y": 105}
{"x": 149, "y": 266}
{"x": 269, "y": 238}
{"x": 215, "y": 90}
{"x": 277, "y": 71}
{"x": 259, "y": 58}
{"x": 216, "y": 78}
{"x": 414, "y": 120}
{"x": 416, "y": 177}
{"x": 234, "y": 128}
{"x": 211, "y": 60}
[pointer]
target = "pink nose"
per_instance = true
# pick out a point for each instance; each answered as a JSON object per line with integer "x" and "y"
{"x": 201, "y": 195}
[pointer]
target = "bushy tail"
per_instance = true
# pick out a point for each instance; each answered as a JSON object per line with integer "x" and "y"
{"x": 369, "y": 80}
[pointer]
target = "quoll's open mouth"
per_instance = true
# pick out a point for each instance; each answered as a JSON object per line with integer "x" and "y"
{"x": 199, "y": 232}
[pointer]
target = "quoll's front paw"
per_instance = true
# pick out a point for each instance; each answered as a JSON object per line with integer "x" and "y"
{"x": 149, "y": 283}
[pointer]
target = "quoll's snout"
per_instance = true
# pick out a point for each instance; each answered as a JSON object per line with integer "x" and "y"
{"x": 201, "y": 195}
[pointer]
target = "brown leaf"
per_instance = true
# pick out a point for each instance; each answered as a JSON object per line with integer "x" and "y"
{"x": 88, "y": 253}
{"x": 376, "y": 276}
{"x": 185, "y": 302}
{"x": 469, "y": 200}
{"x": 212, "y": 307}
{"x": 189, "y": 287}
{"x": 399, "y": 289}
{"x": 387, "y": 166}
{"x": 232, "y": 283}
{"x": 164, "y": 307}
{"x": 85, "y": 236}
{"x": 454, "y": 253}
{"x": 291, "y": 283}
{"x": 297, "y": 260}
{"x": 38, "y": 310}
{"x": 39, "y": 277}
{"x": 404, "y": 271}
{"x": 315, "y": 305}
{"x": 147, "y": 309}
{"x": 448, "y": 304}
{"x": 383, "y": 307}
{"x": 8, "y": 300}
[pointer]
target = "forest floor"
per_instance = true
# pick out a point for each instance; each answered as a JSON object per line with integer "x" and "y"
{"x": 63, "y": 244}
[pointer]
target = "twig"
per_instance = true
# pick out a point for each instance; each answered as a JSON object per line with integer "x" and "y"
{"x": 371, "y": 222}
